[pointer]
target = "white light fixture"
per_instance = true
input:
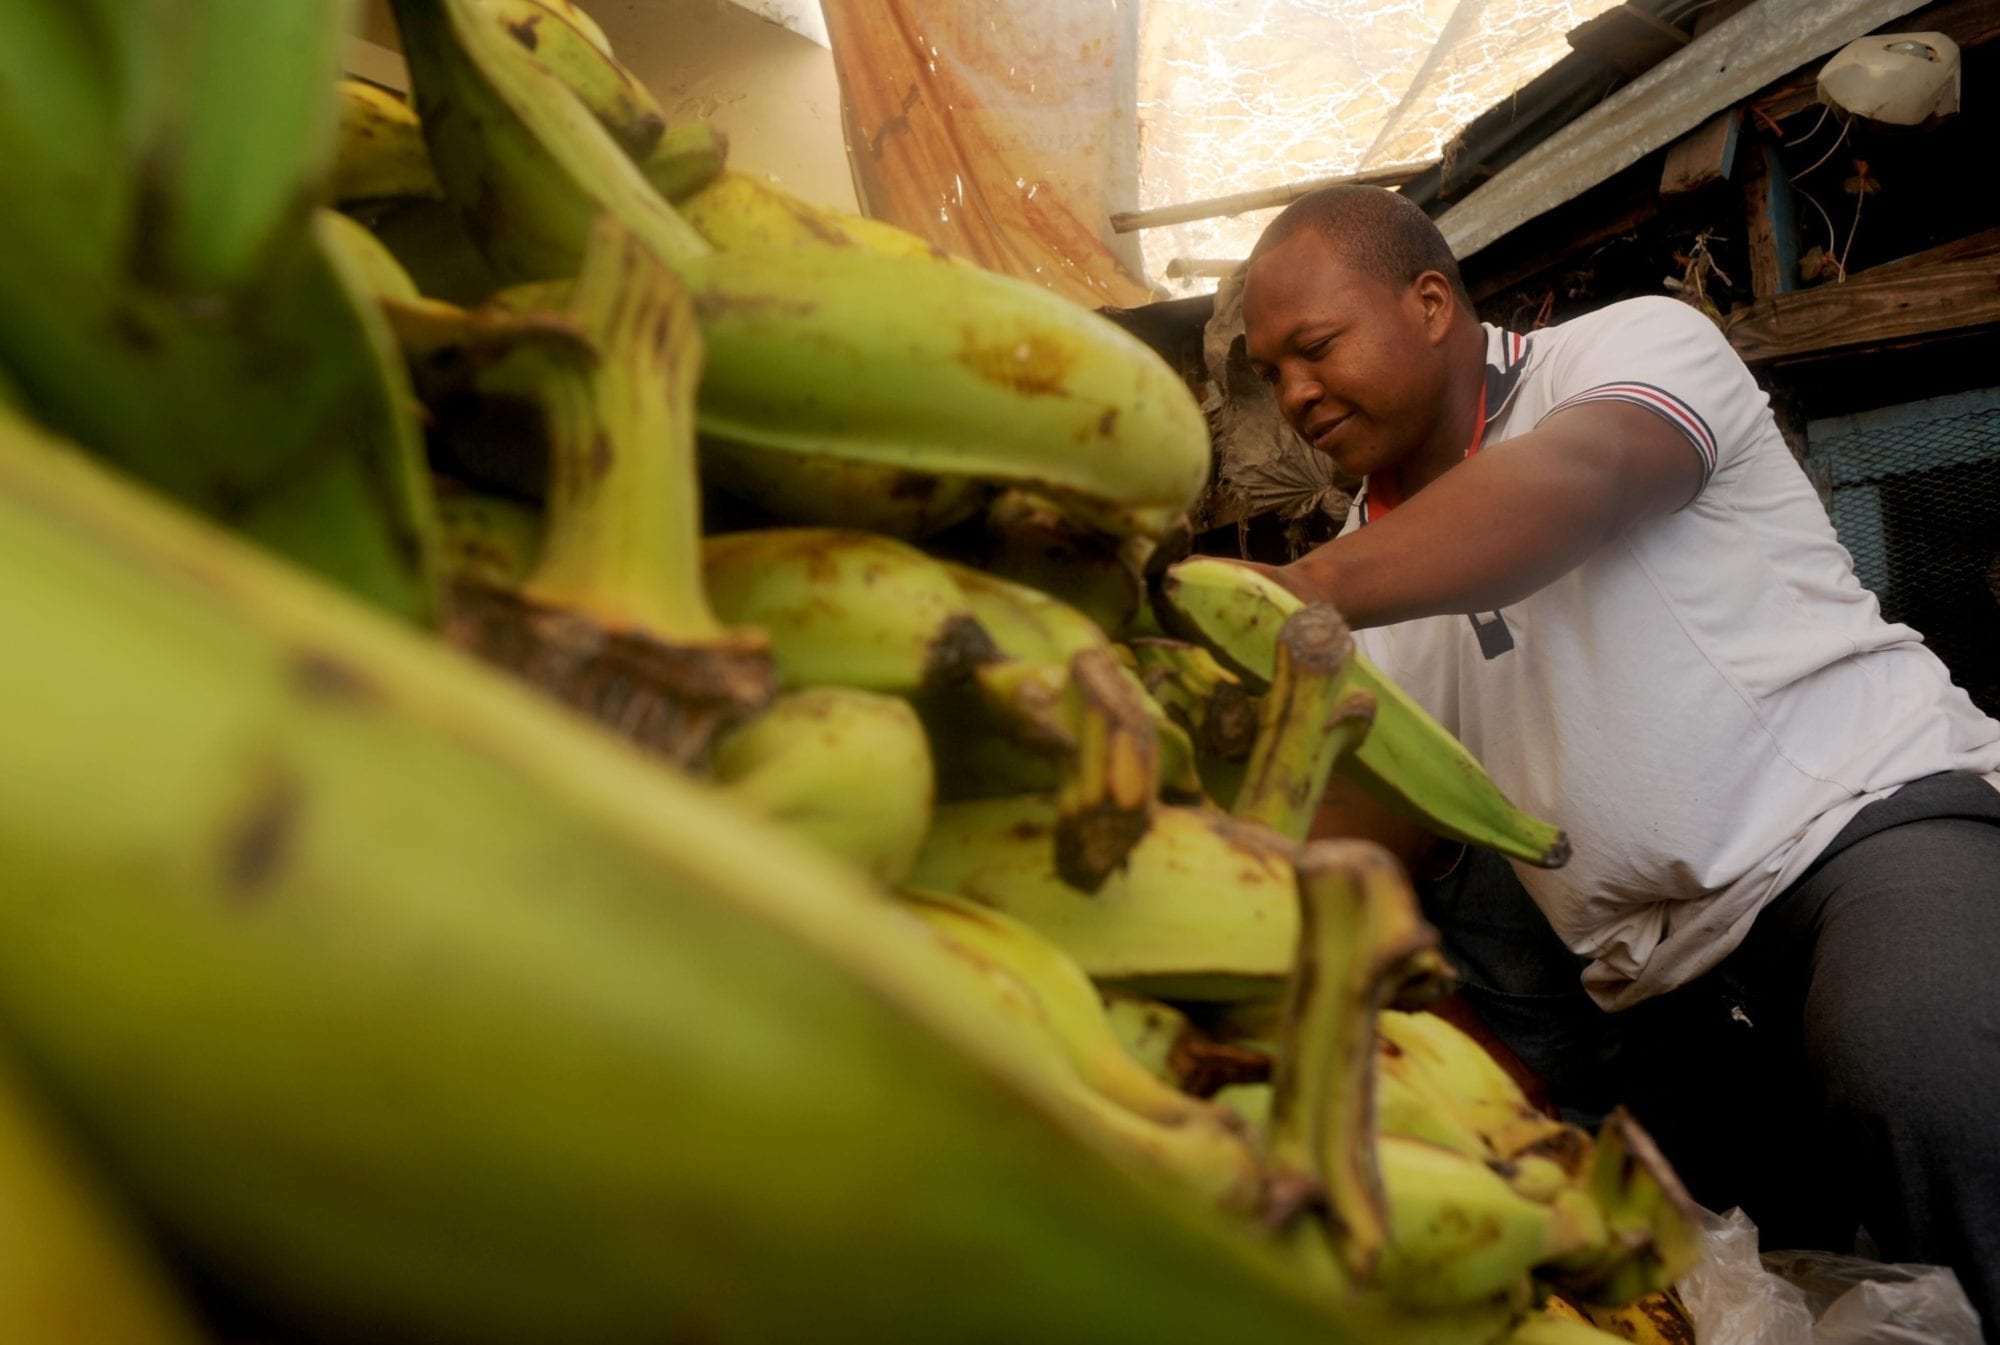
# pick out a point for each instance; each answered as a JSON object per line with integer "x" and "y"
{"x": 1900, "y": 78}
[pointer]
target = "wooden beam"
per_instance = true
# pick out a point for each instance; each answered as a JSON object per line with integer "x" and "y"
{"x": 1389, "y": 175}
{"x": 1870, "y": 309}
{"x": 1771, "y": 230}
{"x": 1983, "y": 244}
{"x": 1706, "y": 154}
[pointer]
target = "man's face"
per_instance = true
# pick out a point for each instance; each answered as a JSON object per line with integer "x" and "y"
{"x": 1357, "y": 364}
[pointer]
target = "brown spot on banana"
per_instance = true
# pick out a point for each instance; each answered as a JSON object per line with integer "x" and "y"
{"x": 261, "y": 838}
{"x": 525, "y": 31}
{"x": 1034, "y": 363}
{"x": 323, "y": 677}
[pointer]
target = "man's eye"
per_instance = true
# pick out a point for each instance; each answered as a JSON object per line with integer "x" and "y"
{"x": 1317, "y": 348}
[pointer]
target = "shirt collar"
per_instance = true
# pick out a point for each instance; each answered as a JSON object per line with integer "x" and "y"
{"x": 1506, "y": 361}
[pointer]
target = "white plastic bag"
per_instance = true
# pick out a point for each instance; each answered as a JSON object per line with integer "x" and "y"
{"x": 1736, "y": 1297}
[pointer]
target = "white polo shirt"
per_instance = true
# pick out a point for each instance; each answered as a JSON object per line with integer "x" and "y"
{"x": 1704, "y": 702}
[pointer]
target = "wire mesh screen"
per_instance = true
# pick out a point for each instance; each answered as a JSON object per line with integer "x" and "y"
{"x": 1914, "y": 491}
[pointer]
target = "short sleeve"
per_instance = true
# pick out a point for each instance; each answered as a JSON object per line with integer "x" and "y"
{"x": 1663, "y": 355}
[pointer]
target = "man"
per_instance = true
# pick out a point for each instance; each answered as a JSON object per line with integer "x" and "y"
{"x": 1589, "y": 553}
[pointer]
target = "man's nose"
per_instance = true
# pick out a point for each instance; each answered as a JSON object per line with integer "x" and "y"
{"x": 1298, "y": 392}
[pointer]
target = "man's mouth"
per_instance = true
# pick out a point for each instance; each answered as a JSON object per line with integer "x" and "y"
{"x": 1321, "y": 435}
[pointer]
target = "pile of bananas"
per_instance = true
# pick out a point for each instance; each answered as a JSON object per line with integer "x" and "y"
{"x": 599, "y": 754}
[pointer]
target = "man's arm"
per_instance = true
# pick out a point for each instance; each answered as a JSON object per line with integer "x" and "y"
{"x": 1504, "y": 523}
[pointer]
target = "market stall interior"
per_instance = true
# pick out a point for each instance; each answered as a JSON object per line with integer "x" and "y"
{"x": 736, "y": 671}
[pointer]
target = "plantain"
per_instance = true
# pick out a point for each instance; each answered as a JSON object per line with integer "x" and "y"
{"x": 687, "y": 158}
{"x": 579, "y": 56}
{"x": 1025, "y": 539}
{"x": 379, "y": 153}
{"x": 1201, "y": 695}
{"x": 738, "y": 211}
{"x": 1172, "y": 1047}
{"x": 167, "y": 299}
{"x": 846, "y": 608}
{"x": 72, "y": 1270}
{"x": 1205, "y": 909}
{"x": 1408, "y": 761}
{"x": 456, "y": 1020}
{"x": 848, "y": 770}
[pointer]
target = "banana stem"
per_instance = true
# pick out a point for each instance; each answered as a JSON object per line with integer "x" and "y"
{"x": 614, "y": 615}
{"x": 1307, "y": 721}
{"x": 1104, "y": 802}
{"x": 1359, "y": 931}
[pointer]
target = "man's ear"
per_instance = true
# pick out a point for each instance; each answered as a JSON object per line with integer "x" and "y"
{"x": 1438, "y": 302}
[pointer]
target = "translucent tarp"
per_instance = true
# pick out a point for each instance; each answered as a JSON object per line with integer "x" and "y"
{"x": 1012, "y": 131}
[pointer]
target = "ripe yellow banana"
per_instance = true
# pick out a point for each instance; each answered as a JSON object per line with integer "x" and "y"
{"x": 1205, "y": 909}
{"x": 1459, "y": 1234}
{"x": 613, "y": 617}
{"x": 578, "y": 55}
{"x": 848, "y": 770}
{"x": 71, "y": 1271}
{"x": 380, "y": 153}
{"x": 846, "y": 608}
{"x": 744, "y": 212}
{"x": 1657, "y": 1318}
{"x": 454, "y": 1019}
{"x": 1407, "y": 760}
{"x": 1466, "y": 1091}
{"x": 1311, "y": 718}
{"x": 1546, "y": 1328}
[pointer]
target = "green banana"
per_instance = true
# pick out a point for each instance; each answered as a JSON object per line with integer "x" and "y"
{"x": 364, "y": 256}
{"x": 488, "y": 541}
{"x": 71, "y": 1271}
{"x": 379, "y": 154}
{"x": 687, "y": 158}
{"x": 1200, "y": 694}
{"x": 848, "y": 770}
{"x": 830, "y": 353}
{"x": 522, "y": 160}
{"x": 584, "y": 62}
{"x": 743, "y": 212}
{"x": 1205, "y": 909}
{"x": 1407, "y": 760}
{"x": 1309, "y": 720}
{"x": 1025, "y": 539}
{"x": 161, "y": 267}
{"x": 846, "y": 608}
{"x": 1026, "y": 623}
{"x": 235, "y": 171}
{"x": 455, "y": 1020}
{"x": 614, "y": 618}
{"x": 1169, "y": 1046}
{"x": 429, "y": 240}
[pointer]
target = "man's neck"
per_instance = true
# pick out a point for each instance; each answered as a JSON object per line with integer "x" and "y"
{"x": 1458, "y": 430}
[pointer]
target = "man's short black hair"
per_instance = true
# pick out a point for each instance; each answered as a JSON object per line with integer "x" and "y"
{"x": 1380, "y": 232}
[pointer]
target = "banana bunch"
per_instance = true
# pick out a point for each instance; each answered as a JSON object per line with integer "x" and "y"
{"x": 965, "y": 857}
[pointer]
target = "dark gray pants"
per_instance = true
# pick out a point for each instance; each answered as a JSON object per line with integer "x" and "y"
{"x": 1839, "y": 1072}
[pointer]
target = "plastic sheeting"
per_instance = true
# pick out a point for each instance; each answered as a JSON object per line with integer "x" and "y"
{"x": 1009, "y": 132}
{"x": 1006, "y": 134}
